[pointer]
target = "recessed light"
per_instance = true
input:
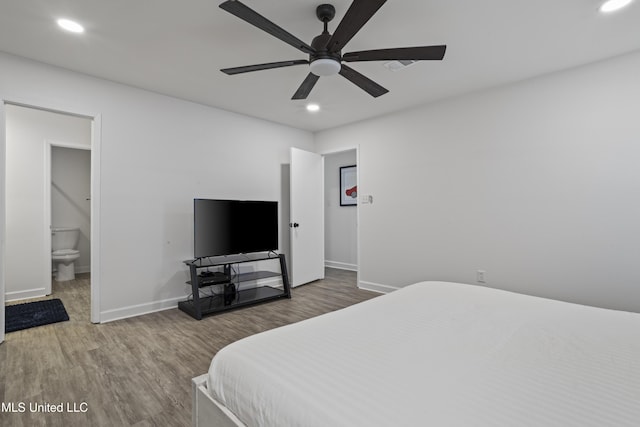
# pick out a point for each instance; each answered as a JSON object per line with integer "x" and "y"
{"x": 313, "y": 107}
{"x": 70, "y": 25}
{"x": 613, "y": 5}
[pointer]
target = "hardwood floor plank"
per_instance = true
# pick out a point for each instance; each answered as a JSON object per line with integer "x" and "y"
{"x": 137, "y": 371}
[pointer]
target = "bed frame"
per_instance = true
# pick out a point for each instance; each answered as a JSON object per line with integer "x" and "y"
{"x": 206, "y": 411}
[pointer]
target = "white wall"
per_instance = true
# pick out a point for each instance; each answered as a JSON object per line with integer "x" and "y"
{"x": 340, "y": 222}
{"x": 28, "y": 131}
{"x": 157, "y": 154}
{"x": 70, "y": 196}
{"x": 537, "y": 183}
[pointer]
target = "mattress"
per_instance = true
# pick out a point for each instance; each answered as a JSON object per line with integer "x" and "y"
{"x": 439, "y": 354}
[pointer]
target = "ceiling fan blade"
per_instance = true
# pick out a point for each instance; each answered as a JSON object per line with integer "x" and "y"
{"x": 258, "y": 67}
{"x": 306, "y": 86}
{"x": 254, "y": 18}
{"x": 402, "y": 53}
{"x": 365, "y": 83}
{"x": 357, "y": 15}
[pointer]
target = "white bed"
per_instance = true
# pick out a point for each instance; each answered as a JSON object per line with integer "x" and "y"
{"x": 432, "y": 354}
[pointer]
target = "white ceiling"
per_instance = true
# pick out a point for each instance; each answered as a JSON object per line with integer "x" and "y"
{"x": 177, "y": 48}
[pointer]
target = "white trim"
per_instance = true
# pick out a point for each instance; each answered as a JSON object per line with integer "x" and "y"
{"x": 140, "y": 309}
{"x": 62, "y": 144}
{"x": 167, "y": 304}
{"x": 376, "y": 287}
{"x": 358, "y": 210}
{"x": 96, "y": 151}
{"x": 39, "y": 105}
{"x": 79, "y": 269}
{"x": 340, "y": 150}
{"x": 46, "y": 226}
{"x": 274, "y": 282}
{"x": 340, "y": 265}
{"x": 324, "y": 229}
{"x": 3, "y": 225}
{"x": 29, "y": 293}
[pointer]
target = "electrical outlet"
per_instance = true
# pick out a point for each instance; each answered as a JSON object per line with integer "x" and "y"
{"x": 480, "y": 276}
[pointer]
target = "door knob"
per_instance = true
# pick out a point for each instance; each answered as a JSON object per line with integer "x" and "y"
{"x": 294, "y": 224}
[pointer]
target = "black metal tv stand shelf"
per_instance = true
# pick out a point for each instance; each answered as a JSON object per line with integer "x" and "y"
{"x": 225, "y": 283}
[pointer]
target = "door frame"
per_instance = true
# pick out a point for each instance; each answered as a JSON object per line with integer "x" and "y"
{"x": 3, "y": 213}
{"x": 338, "y": 151}
{"x": 96, "y": 144}
{"x": 48, "y": 146}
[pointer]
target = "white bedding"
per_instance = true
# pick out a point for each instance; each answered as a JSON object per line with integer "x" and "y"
{"x": 439, "y": 354}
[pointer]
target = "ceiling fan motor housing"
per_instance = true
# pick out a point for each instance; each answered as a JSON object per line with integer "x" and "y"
{"x": 324, "y": 63}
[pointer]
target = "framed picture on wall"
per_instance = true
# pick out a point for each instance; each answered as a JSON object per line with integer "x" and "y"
{"x": 348, "y": 186}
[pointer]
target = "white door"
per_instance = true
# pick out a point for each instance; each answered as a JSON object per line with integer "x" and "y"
{"x": 306, "y": 217}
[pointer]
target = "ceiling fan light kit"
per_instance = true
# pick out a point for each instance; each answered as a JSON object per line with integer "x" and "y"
{"x": 325, "y": 51}
{"x": 325, "y": 67}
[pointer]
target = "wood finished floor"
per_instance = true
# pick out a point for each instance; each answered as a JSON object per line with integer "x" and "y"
{"x": 137, "y": 372}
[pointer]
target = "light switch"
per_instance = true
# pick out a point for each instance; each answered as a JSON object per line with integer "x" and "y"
{"x": 366, "y": 199}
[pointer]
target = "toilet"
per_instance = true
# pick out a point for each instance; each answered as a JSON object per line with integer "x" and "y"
{"x": 64, "y": 243}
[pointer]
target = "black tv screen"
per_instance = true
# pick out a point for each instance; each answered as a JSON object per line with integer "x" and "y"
{"x": 226, "y": 227}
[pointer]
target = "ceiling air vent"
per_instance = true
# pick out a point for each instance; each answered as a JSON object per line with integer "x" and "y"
{"x": 399, "y": 65}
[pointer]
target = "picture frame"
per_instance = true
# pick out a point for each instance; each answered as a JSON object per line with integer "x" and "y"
{"x": 348, "y": 185}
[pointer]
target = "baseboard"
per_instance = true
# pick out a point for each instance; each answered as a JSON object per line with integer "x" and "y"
{"x": 139, "y": 309}
{"x": 376, "y": 287}
{"x": 274, "y": 282}
{"x": 83, "y": 269}
{"x": 77, "y": 269}
{"x": 29, "y": 293}
{"x": 167, "y": 304}
{"x": 340, "y": 265}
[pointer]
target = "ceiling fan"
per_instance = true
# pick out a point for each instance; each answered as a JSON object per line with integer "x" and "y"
{"x": 325, "y": 52}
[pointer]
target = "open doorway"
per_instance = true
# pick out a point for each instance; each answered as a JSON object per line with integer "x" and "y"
{"x": 317, "y": 220}
{"x": 341, "y": 211}
{"x": 68, "y": 198}
{"x": 49, "y": 175}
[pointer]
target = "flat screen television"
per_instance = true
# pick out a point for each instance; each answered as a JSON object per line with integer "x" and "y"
{"x": 227, "y": 227}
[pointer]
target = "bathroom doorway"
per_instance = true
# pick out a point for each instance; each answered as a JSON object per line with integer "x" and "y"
{"x": 36, "y": 140}
{"x": 68, "y": 197}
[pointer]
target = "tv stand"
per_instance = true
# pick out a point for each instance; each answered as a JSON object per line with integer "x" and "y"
{"x": 225, "y": 284}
